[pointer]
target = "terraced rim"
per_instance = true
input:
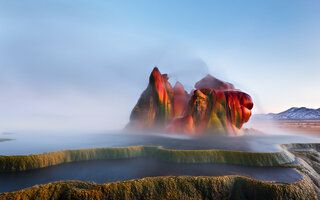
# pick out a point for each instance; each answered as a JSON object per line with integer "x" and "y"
{"x": 35, "y": 161}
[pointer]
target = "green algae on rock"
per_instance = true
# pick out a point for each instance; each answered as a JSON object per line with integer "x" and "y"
{"x": 27, "y": 162}
{"x": 154, "y": 108}
{"x": 225, "y": 187}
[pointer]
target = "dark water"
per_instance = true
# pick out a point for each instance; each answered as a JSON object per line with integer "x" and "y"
{"x": 104, "y": 171}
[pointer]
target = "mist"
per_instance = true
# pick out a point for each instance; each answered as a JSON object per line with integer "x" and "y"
{"x": 95, "y": 92}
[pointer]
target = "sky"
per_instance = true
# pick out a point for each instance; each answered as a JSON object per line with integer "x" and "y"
{"x": 82, "y": 65}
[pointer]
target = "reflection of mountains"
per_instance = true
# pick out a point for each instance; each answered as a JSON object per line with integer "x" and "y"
{"x": 293, "y": 113}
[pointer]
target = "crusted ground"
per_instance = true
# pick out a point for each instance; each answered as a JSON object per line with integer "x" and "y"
{"x": 226, "y": 187}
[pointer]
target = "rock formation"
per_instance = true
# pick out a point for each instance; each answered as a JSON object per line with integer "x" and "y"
{"x": 214, "y": 107}
{"x": 213, "y": 83}
{"x": 154, "y": 108}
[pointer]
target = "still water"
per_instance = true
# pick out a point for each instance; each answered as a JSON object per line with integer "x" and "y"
{"x": 104, "y": 171}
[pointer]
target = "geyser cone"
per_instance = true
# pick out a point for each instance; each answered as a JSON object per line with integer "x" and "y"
{"x": 153, "y": 109}
{"x": 214, "y": 107}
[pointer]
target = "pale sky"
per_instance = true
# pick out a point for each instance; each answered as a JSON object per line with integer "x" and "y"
{"x": 82, "y": 65}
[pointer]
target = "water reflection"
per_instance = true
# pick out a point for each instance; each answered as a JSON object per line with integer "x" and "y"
{"x": 104, "y": 171}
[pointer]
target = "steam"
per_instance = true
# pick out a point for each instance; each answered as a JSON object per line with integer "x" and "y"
{"x": 95, "y": 92}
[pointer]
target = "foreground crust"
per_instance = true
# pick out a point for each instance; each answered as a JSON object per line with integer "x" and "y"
{"x": 226, "y": 187}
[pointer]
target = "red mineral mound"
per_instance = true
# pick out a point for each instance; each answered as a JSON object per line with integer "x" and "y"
{"x": 180, "y": 99}
{"x": 214, "y": 107}
{"x": 213, "y": 111}
{"x": 213, "y": 83}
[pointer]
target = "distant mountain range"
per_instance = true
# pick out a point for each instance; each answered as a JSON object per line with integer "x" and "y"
{"x": 293, "y": 113}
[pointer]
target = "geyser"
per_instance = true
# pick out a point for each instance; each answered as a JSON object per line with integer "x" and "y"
{"x": 213, "y": 107}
